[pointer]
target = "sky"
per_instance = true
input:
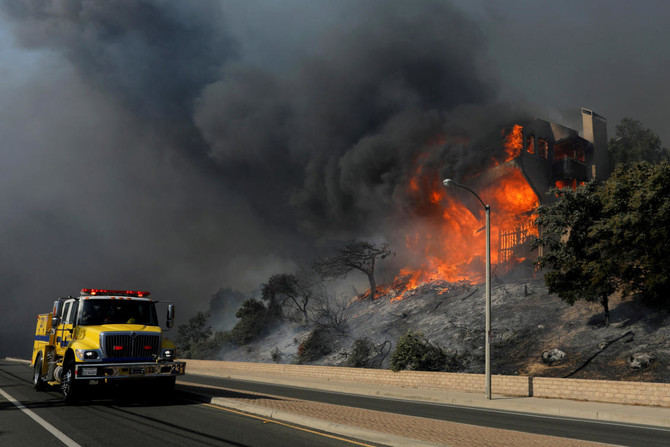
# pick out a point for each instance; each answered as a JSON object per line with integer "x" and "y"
{"x": 190, "y": 147}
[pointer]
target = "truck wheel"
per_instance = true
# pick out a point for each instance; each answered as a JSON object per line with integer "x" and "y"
{"x": 69, "y": 385}
{"x": 165, "y": 385}
{"x": 38, "y": 383}
{"x": 168, "y": 383}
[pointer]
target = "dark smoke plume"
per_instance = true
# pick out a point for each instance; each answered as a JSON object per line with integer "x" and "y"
{"x": 223, "y": 306}
{"x": 179, "y": 147}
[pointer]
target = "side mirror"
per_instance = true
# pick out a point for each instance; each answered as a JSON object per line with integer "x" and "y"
{"x": 170, "y": 316}
{"x": 54, "y": 322}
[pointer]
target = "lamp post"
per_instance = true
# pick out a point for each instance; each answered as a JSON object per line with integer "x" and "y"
{"x": 487, "y": 358}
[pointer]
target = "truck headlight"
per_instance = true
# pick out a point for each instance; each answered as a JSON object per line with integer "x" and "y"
{"x": 168, "y": 354}
{"x": 84, "y": 354}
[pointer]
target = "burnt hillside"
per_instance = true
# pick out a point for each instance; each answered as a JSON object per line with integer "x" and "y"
{"x": 526, "y": 321}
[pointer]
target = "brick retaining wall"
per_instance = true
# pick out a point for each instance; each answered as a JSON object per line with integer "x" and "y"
{"x": 640, "y": 393}
{"x": 621, "y": 392}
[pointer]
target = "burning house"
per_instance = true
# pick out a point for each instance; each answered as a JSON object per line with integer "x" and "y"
{"x": 538, "y": 155}
{"x": 551, "y": 155}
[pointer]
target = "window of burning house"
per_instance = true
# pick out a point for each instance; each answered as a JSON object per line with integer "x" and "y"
{"x": 542, "y": 148}
{"x": 568, "y": 150}
{"x": 530, "y": 144}
{"x": 568, "y": 183}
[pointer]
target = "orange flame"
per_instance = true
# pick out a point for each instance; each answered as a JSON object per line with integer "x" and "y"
{"x": 513, "y": 142}
{"x": 572, "y": 184}
{"x": 449, "y": 245}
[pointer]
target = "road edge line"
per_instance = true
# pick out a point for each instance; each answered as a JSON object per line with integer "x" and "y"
{"x": 50, "y": 428}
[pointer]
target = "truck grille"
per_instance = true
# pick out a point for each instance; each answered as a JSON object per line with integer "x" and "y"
{"x": 131, "y": 345}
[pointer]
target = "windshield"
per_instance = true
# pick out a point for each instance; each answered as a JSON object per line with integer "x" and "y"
{"x": 106, "y": 311}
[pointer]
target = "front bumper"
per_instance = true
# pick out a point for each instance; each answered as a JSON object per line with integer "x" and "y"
{"x": 94, "y": 371}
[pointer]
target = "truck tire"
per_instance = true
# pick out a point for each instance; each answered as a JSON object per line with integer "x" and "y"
{"x": 164, "y": 386}
{"x": 168, "y": 383}
{"x": 38, "y": 383}
{"x": 69, "y": 386}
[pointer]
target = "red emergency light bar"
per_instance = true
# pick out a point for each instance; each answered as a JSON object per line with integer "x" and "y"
{"x": 93, "y": 292}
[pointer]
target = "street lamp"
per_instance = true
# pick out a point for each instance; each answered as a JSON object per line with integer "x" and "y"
{"x": 487, "y": 359}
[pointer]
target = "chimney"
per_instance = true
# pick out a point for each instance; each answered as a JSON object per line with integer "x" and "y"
{"x": 595, "y": 131}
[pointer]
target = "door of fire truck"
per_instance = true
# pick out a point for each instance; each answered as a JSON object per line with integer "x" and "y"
{"x": 66, "y": 326}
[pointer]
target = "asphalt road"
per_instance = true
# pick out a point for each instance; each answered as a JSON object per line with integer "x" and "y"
{"x": 113, "y": 417}
{"x": 613, "y": 433}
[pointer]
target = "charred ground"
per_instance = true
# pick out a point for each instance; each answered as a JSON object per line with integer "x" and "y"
{"x": 526, "y": 321}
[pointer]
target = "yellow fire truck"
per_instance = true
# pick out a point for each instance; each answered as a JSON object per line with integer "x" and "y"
{"x": 104, "y": 336}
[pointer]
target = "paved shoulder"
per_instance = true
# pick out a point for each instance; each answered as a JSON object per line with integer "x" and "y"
{"x": 376, "y": 426}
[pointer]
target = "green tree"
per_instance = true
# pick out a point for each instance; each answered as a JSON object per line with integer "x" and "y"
{"x": 578, "y": 268}
{"x": 254, "y": 321}
{"x": 195, "y": 339}
{"x": 189, "y": 335}
{"x": 616, "y": 236}
{"x": 274, "y": 291}
{"x": 416, "y": 353}
{"x": 355, "y": 255}
{"x": 635, "y": 235}
{"x": 635, "y": 143}
{"x": 288, "y": 291}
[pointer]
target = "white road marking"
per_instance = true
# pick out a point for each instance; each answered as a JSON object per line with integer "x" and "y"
{"x": 50, "y": 428}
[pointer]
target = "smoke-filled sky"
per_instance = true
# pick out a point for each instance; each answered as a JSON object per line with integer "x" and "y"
{"x": 182, "y": 147}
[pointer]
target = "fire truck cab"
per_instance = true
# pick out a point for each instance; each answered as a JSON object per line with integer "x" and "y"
{"x": 103, "y": 336}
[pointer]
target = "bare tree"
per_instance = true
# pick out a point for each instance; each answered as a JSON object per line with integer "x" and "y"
{"x": 355, "y": 255}
{"x": 288, "y": 290}
{"x": 331, "y": 313}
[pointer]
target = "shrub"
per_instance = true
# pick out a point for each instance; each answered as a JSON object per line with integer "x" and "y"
{"x": 254, "y": 321}
{"x": 192, "y": 334}
{"x": 415, "y": 352}
{"x": 195, "y": 339}
{"x": 366, "y": 354}
{"x": 361, "y": 354}
{"x": 317, "y": 344}
{"x": 276, "y": 355}
{"x": 208, "y": 348}
{"x": 331, "y": 313}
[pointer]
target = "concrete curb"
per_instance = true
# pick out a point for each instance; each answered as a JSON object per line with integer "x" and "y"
{"x": 571, "y": 412}
{"x": 604, "y": 412}
{"x": 319, "y": 424}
